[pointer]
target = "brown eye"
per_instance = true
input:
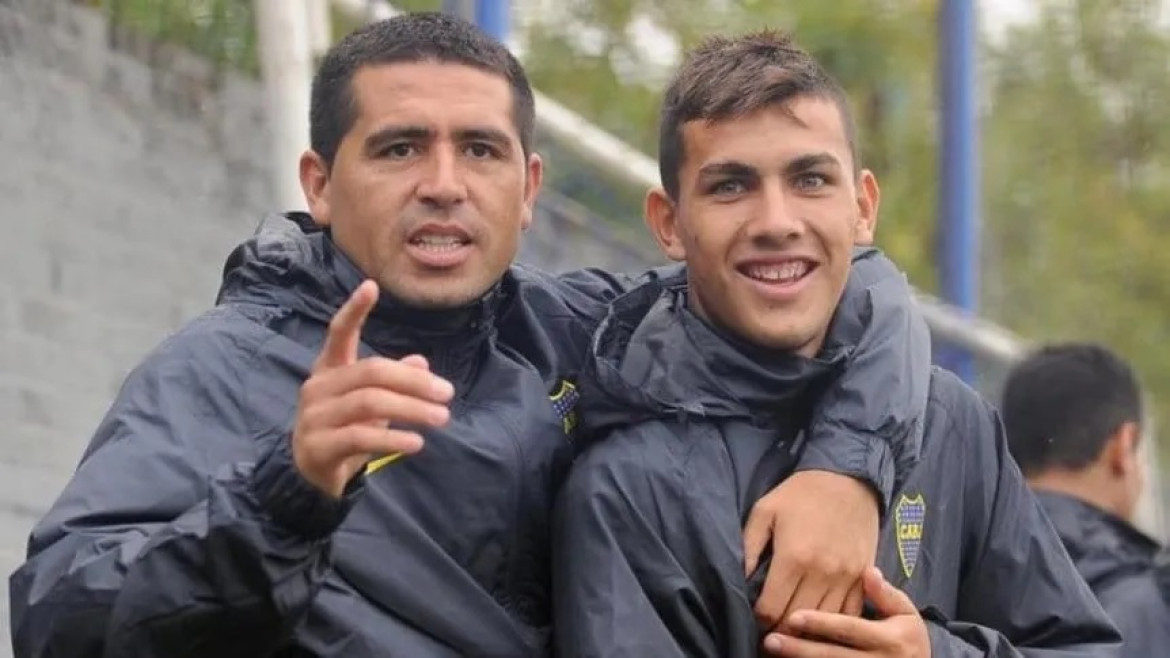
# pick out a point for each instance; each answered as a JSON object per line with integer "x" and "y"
{"x": 480, "y": 151}
{"x": 399, "y": 151}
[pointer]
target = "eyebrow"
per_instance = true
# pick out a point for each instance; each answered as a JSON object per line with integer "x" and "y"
{"x": 422, "y": 133}
{"x": 729, "y": 168}
{"x": 735, "y": 169}
{"x": 396, "y": 133}
{"x": 812, "y": 161}
{"x": 493, "y": 135}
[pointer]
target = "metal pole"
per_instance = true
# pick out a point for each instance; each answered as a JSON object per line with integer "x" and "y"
{"x": 495, "y": 18}
{"x": 286, "y": 67}
{"x": 958, "y": 261}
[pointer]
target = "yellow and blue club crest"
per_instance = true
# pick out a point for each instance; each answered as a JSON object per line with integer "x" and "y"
{"x": 564, "y": 402}
{"x": 909, "y": 519}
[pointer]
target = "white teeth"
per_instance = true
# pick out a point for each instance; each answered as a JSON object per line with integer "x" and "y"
{"x": 438, "y": 242}
{"x": 783, "y": 273}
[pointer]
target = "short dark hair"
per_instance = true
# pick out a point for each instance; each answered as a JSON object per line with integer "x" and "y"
{"x": 415, "y": 37}
{"x": 728, "y": 77}
{"x": 1063, "y": 402}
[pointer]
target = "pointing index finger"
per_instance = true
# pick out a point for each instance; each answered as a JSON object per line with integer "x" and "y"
{"x": 345, "y": 329}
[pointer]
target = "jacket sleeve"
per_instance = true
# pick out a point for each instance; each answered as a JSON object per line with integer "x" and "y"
{"x": 624, "y": 584}
{"x": 962, "y": 640}
{"x": 1016, "y": 578}
{"x": 168, "y": 541}
{"x": 603, "y": 287}
{"x": 869, "y": 423}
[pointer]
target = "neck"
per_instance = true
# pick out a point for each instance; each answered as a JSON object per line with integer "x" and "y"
{"x": 1087, "y": 487}
{"x": 808, "y": 350}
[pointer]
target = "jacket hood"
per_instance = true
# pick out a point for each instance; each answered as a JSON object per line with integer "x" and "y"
{"x": 652, "y": 358}
{"x": 1102, "y": 545}
{"x": 293, "y": 265}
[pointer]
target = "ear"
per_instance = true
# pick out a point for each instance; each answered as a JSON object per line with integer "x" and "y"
{"x": 314, "y": 173}
{"x": 1121, "y": 451}
{"x": 661, "y": 215}
{"x": 534, "y": 176}
{"x": 869, "y": 197}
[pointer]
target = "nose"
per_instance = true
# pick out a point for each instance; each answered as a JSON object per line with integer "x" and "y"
{"x": 442, "y": 183}
{"x": 778, "y": 218}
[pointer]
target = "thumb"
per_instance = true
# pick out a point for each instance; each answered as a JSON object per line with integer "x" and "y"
{"x": 757, "y": 532}
{"x": 887, "y": 599}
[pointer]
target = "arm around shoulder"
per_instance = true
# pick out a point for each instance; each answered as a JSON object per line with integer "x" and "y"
{"x": 869, "y": 422}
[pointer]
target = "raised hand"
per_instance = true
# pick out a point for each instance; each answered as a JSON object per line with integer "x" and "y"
{"x": 352, "y": 409}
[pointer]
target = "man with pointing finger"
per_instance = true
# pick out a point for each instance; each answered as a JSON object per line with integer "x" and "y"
{"x": 356, "y": 451}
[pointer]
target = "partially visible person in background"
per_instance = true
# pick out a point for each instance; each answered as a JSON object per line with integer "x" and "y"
{"x": 1073, "y": 414}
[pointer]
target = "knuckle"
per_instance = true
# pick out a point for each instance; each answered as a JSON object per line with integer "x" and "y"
{"x": 310, "y": 390}
{"x": 305, "y": 455}
{"x": 767, "y": 505}
{"x": 362, "y": 370}
{"x": 768, "y": 610}
{"x": 380, "y": 369}
{"x": 373, "y": 366}
{"x": 368, "y": 402}
{"x": 835, "y": 567}
{"x": 766, "y": 616}
{"x": 310, "y": 419}
{"x": 803, "y": 557}
{"x": 765, "y": 516}
{"x": 350, "y": 441}
{"x": 827, "y": 567}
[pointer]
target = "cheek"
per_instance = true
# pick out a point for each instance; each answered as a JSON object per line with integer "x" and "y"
{"x": 497, "y": 196}
{"x": 701, "y": 238}
{"x": 836, "y": 229}
{"x": 356, "y": 192}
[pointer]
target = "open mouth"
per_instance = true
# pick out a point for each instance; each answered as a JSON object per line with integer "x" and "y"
{"x": 439, "y": 243}
{"x": 778, "y": 281}
{"x": 439, "y": 246}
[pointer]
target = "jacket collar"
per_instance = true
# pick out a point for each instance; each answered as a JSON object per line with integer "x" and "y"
{"x": 292, "y": 263}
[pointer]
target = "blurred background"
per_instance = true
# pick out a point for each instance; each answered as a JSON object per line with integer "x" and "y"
{"x": 1021, "y": 145}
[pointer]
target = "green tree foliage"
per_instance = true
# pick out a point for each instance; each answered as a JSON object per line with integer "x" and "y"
{"x": 1077, "y": 181}
{"x": 221, "y": 30}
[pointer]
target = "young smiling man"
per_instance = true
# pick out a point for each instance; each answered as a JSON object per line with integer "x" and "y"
{"x": 243, "y": 495}
{"x": 698, "y": 394}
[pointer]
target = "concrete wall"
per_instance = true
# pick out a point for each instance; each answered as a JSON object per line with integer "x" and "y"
{"x": 126, "y": 176}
